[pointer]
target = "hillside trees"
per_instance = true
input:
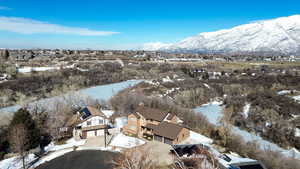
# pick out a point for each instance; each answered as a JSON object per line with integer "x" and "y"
{"x": 23, "y": 117}
{"x": 19, "y": 141}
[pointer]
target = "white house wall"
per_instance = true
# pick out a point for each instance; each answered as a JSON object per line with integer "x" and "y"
{"x": 94, "y": 121}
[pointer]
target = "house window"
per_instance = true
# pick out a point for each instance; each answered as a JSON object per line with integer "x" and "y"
{"x": 88, "y": 123}
{"x": 100, "y": 121}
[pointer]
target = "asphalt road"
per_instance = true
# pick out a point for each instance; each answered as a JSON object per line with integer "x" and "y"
{"x": 84, "y": 159}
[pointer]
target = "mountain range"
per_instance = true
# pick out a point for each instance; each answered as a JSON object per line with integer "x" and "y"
{"x": 281, "y": 35}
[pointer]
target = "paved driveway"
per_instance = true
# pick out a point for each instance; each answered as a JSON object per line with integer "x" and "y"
{"x": 160, "y": 152}
{"x": 84, "y": 159}
{"x": 94, "y": 142}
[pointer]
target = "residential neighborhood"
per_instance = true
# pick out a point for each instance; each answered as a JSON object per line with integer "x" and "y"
{"x": 145, "y": 127}
{"x": 157, "y": 84}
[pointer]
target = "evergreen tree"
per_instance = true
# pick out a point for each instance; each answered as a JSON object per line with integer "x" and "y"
{"x": 22, "y": 116}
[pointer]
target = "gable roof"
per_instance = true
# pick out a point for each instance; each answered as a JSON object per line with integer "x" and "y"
{"x": 170, "y": 116}
{"x": 168, "y": 130}
{"x": 151, "y": 114}
{"x": 89, "y": 111}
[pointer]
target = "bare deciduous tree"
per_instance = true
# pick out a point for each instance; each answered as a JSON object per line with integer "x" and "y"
{"x": 135, "y": 158}
{"x": 203, "y": 160}
{"x": 19, "y": 141}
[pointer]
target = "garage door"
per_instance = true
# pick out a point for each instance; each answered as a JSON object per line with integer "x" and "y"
{"x": 100, "y": 132}
{"x": 91, "y": 133}
{"x": 158, "y": 138}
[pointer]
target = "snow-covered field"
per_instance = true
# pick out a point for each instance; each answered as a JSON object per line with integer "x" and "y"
{"x": 122, "y": 141}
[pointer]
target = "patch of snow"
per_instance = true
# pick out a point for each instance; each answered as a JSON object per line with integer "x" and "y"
{"x": 292, "y": 153}
{"x": 283, "y": 92}
{"x": 196, "y": 138}
{"x": 120, "y": 122}
{"x": 171, "y": 91}
{"x": 180, "y": 80}
{"x": 166, "y": 79}
{"x": 152, "y": 82}
{"x": 69, "y": 144}
{"x": 206, "y": 85}
{"x": 125, "y": 141}
{"x": 246, "y": 110}
{"x": 36, "y": 69}
{"x": 297, "y": 132}
{"x": 297, "y": 98}
{"x": 16, "y": 162}
{"x": 82, "y": 70}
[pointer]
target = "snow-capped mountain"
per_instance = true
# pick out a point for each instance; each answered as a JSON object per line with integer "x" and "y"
{"x": 281, "y": 35}
{"x": 155, "y": 46}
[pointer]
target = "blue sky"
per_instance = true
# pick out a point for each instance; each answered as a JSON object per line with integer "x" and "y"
{"x": 125, "y": 24}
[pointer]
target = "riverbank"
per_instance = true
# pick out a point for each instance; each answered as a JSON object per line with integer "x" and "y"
{"x": 213, "y": 111}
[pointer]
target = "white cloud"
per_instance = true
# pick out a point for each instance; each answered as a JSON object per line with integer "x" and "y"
{"x": 30, "y": 26}
{"x": 5, "y": 8}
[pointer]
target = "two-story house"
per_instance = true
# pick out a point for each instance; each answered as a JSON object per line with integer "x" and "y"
{"x": 157, "y": 125}
{"x": 92, "y": 123}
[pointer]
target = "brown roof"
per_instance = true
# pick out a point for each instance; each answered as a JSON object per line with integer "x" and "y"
{"x": 151, "y": 126}
{"x": 95, "y": 112}
{"x": 151, "y": 114}
{"x": 168, "y": 130}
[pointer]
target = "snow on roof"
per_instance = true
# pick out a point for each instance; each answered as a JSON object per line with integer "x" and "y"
{"x": 196, "y": 138}
{"x": 125, "y": 141}
{"x": 108, "y": 113}
{"x": 234, "y": 160}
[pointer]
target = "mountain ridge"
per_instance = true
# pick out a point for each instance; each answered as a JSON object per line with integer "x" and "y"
{"x": 280, "y": 35}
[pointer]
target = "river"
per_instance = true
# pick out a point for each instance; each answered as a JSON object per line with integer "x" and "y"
{"x": 214, "y": 112}
{"x": 101, "y": 92}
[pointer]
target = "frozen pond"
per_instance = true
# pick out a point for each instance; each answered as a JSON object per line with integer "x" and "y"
{"x": 101, "y": 92}
{"x": 213, "y": 112}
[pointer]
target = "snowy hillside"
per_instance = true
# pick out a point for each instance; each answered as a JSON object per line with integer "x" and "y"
{"x": 281, "y": 35}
